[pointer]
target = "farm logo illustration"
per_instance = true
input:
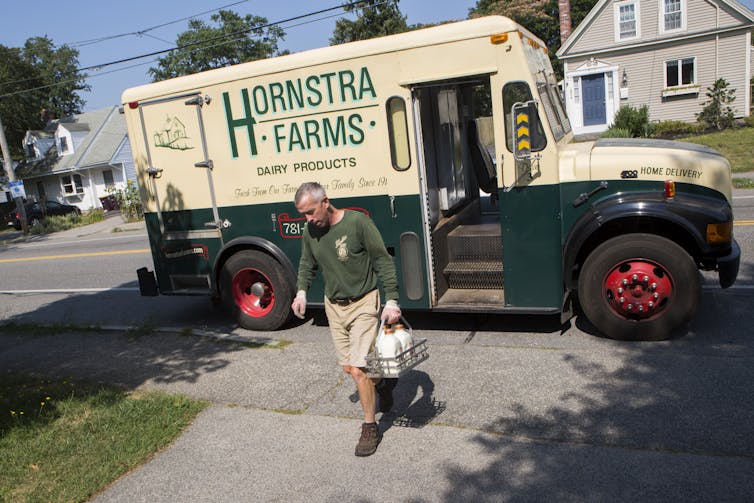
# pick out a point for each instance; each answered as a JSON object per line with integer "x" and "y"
{"x": 342, "y": 248}
{"x": 172, "y": 135}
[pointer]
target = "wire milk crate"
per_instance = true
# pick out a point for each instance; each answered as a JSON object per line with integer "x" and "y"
{"x": 395, "y": 365}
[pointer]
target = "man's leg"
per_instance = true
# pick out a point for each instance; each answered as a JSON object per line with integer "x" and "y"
{"x": 384, "y": 389}
{"x": 365, "y": 387}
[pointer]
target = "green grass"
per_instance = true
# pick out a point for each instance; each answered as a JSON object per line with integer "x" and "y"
{"x": 734, "y": 144}
{"x": 66, "y": 440}
{"x": 55, "y": 223}
{"x": 743, "y": 183}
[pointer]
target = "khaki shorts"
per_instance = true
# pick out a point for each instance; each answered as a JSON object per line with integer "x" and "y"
{"x": 354, "y": 328}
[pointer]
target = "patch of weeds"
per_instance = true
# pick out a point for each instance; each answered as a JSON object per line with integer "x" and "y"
{"x": 743, "y": 183}
{"x": 290, "y": 412}
{"x": 118, "y": 229}
{"x": 48, "y": 329}
{"x": 142, "y": 330}
{"x": 274, "y": 344}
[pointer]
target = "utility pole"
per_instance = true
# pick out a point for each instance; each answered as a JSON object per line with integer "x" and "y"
{"x": 12, "y": 177}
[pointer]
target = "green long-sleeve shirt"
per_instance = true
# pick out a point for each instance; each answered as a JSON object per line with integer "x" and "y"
{"x": 351, "y": 256}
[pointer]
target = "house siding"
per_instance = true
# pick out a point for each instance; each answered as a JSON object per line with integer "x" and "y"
{"x": 123, "y": 156}
{"x": 597, "y": 33}
{"x": 701, "y": 13}
{"x": 716, "y": 35}
{"x": 645, "y": 71}
{"x": 600, "y": 34}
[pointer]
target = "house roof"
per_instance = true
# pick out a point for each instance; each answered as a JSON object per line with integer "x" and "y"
{"x": 602, "y": 4}
{"x": 107, "y": 129}
{"x": 75, "y": 126}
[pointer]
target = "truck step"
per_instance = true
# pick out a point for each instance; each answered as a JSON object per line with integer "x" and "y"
{"x": 480, "y": 274}
{"x": 475, "y": 242}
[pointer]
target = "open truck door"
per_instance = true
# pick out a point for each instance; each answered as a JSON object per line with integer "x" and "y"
{"x": 184, "y": 221}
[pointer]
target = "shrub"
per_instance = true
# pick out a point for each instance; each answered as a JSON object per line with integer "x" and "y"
{"x": 92, "y": 216}
{"x": 633, "y": 120}
{"x": 129, "y": 201}
{"x": 54, "y": 223}
{"x": 617, "y": 132}
{"x": 669, "y": 129}
{"x": 717, "y": 112}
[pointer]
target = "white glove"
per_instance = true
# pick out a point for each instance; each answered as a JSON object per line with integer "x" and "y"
{"x": 391, "y": 313}
{"x": 299, "y": 304}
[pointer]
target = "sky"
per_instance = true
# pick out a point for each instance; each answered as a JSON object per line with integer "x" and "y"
{"x": 78, "y": 22}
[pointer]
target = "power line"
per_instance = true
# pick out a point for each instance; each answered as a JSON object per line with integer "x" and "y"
{"x": 156, "y": 53}
{"x": 86, "y": 77}
{"x": 240, "y": 32}
{"x": 138, "y": 33}
{"x": 145, "y": 30}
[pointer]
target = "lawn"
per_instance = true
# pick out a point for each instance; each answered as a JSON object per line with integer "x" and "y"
{"x": 737, "y": 145}
{"x": 66, "y": 440}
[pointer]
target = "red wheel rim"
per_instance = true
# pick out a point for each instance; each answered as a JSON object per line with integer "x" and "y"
{"x": 638, "y": 289}
{"x": 253, "y": 293}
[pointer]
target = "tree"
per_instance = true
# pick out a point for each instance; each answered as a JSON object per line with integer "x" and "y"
{"x": 541, "y": 17}
{"x": 717, "y": 111}
{"x": 20, "y": 111}
{"x": 374, "y": 18}
{"x": 233, "y": 40}
{"x": 59, "y": 71}
{"x": 33, "y": 78}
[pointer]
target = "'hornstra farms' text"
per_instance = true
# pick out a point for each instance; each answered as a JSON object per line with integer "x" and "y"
{"x": 329, "y": 103}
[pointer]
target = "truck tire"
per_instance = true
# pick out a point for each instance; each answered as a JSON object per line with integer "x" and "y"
{"x": 255, "y": 290}
{"x": 639, "y": 287}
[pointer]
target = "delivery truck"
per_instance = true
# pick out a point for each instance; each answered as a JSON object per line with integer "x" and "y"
{"x": 455, "y": 141}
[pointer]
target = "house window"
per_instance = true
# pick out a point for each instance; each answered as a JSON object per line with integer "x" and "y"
{"x": 672, "y": 15}
{"x": 626, "y": 20}
{"x": 680, "y": 72}
{"x": 63, "y": 144}
{"x": 31, "y": 152}
{"x": 72, "y": 184}
{"x": 576, "y": 90}
{"x": 107, "y": 175}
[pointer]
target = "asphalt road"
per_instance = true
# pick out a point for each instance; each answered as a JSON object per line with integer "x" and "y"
{"x": 507, "y": 408}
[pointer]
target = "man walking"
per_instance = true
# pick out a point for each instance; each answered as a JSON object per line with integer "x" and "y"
{"x": 347, "y": 247}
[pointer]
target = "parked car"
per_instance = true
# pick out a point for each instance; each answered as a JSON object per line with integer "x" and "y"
{"x": 35, "y": 212}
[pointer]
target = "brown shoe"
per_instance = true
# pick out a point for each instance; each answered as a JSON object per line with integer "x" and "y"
{"x": 370, "y": 439}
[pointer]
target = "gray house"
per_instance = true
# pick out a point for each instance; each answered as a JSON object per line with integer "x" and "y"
{"x": 659, "y": 53}
{"x": 75, "y": 160}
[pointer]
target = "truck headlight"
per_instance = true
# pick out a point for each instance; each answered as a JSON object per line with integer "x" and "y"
{"x": 719, "y": 233}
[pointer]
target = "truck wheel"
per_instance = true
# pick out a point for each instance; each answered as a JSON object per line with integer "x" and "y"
{"x": 255, "y": 290}
{"x": 639, "y": 287}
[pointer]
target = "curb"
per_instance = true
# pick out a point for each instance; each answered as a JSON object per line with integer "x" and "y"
{"x": 219, "y": 336}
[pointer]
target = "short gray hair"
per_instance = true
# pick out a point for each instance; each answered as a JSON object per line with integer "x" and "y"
{"x": 313, "y": 189}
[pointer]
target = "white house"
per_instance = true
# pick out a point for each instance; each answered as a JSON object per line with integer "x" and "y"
{"x": 659, "y": 53}
{"x": 75, "y": 160}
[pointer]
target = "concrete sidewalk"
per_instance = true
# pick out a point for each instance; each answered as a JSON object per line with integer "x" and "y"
{"x": 494, "y": 417}
{"x": 112, "y": 223}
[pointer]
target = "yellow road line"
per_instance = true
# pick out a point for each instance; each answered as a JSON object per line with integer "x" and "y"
{"x": 743, "y": 222}
{"x": 74, "y": 255}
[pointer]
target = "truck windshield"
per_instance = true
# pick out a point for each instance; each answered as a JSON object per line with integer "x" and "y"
{"x": 549, "y": 94}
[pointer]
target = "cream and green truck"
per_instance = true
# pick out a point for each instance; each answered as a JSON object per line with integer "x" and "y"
{"x": 454, "y": 140}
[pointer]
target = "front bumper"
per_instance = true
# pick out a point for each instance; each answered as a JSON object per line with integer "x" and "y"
{"x": 727, "y": 266}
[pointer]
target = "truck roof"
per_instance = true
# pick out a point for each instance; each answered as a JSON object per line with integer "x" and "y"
{"x": 450, "y": 32}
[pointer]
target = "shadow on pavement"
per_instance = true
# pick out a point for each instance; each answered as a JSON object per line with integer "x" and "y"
{"x": 667, "y": 421}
